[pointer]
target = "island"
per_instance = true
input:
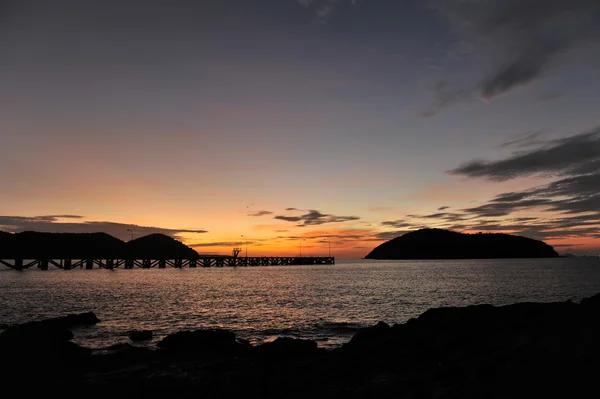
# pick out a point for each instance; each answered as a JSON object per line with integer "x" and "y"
{"x": 37, "y": 245}
{"x": 446, "y": 244}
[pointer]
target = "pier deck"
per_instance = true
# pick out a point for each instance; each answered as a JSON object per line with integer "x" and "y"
{"x": 202, "y": 261}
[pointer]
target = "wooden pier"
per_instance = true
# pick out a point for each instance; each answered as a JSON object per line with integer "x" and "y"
{"x": 203, "y": 261}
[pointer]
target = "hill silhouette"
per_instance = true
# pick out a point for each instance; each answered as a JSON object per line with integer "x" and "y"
{"x": 158, "y": 246}
{"x": 35, "y": 245}
{"x": 445, "y": 244}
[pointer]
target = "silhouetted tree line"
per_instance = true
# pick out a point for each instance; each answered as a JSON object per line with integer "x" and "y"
{"x": 445, "y": 244}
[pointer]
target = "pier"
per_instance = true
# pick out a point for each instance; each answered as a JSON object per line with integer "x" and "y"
{"x": 202, "y": 261}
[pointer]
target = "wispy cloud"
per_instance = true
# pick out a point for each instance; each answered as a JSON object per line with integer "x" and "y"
{"x": 523, "y": 38}
{"x": 324, "y": 8}
{"x": 260, "y": 213}
{"x": 523, "y": 140}
{"x": 313, "y": 217}
{"x": 566, "y": 207}
{"x": 574, "y": 155}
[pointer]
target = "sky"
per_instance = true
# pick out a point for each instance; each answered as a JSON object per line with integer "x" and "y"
{"x": 288, "y": 126}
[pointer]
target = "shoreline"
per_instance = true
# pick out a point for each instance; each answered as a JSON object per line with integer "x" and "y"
{"x": 520, "y": 350}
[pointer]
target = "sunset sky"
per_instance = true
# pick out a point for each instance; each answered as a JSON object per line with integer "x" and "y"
{"x": 281, "y": 123}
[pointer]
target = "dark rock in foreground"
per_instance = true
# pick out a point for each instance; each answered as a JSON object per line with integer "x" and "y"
{"x": 525, "y": 350}
{"x": 144, "y": 335}
{"x": 289, "y": 347}
{"x": 208, "y": 341}
{"x": 45, "y": 345}
{"x": 444, "y": 244}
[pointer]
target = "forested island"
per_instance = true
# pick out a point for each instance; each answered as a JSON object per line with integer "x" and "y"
{"x": 35, "y": 245}
{"x": 445, "y": 244}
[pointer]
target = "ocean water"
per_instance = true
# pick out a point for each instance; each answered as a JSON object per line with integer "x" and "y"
{"x": 324, "y": 303}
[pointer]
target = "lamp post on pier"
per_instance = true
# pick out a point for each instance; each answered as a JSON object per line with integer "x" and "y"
{"x": 131, "y": 233}
{"x": 301, "y": 247}
{"x": 246, "y": 239}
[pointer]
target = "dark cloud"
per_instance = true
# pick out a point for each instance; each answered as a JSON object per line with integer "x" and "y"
{"x": 564, "y": 208}
{"x": 220, "y": 244}
{"x": 522, "y": 140}
{"x": 324, "y": 8}
{"x": 397, "y": 224}
{"x": 521, "y": 70}
{"x": 567, "y": 156}
{"x": 50, "y": 224}
{"x": 449, "y": 216}
{"x": 292, "y": 209}
{"x": 522, "y": 38}
{"x": 289, "y": 218}
{"x": 260, "y": 213}
{"x": 313, "y": 217}
{"x": 548, "y": 97}
{"x": 445, "y": 96}
{"x": 443, "y": 208}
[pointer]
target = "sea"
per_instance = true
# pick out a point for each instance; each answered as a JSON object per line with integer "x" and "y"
{"x": 327, "y": 303}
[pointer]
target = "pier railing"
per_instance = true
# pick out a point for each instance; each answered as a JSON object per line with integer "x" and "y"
{"x": 203, "y": 261}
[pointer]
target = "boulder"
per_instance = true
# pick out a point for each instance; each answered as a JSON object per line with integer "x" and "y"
{"x": 123, "y": 354}
{"x": 81, "y": 319}
{"x": 369, "y": 336}
{"x": 37, "y": 331}
{"x": 46, "y": 342}
{"x": 286, "y": 347}
{"x": 208, "y": 340}
{"x": 591, "y": 302}
{"x": 55, "y": 329}
{"x": 142, "y": 335}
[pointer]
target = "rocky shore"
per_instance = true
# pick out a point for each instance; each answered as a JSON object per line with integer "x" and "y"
{"x": 525, "y": 350}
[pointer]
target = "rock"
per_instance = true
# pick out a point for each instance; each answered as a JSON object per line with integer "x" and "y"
{"x": 3, "y": 326}
{"x": 55, "y": 329}
{"x": 592, "y": 302}
{"x": 285, "y": 347}
{"x": 209, "y": 340}
{"x": 143, "y": 335}
{"x": 453, "y": 317}
{"x": 369, "y": 336}
{"x": 81, "y": 319}
{"x": 46, "y": 342}
{"x": 121, "y": 354}
{"x": 37, "y": 331}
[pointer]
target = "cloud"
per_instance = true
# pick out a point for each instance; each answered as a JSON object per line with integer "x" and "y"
{"x": 523, "y": 140}
{"x": 442, "y": 208}
{"x": 519, "y": 71}
{"x": 324, "y": 8}
{"x": 566, "y": 207}
{"x": 260, "y": 213}
{"x": 567, "y": 156}
{"x": 50, "y": 224}
{"x": 220, "y": 244}
{"x": 444, "y": 96}
{"x": 397, "y": 224}
{"x": 450, "y": 216}
{"x": 313, "y": 217}
{"x": 521, "y": 38}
